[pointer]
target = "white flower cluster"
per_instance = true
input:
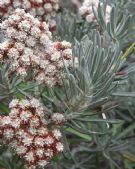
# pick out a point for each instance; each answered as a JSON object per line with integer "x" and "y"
{"x": 58, "y": 118}
{"x": 26, "y": 131}
{"x": 29, "y": 45}
{"x": 43, "y": 9}
{"x": 86, "y": 10}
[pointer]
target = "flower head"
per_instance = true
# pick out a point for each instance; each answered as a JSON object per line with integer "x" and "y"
{"x": 30, "y": 45}
{"x": 25, "y": 132}
{"x": 58, "y": 118}
{"x": 43, "y": 10}
{"x": 86, "y": 10}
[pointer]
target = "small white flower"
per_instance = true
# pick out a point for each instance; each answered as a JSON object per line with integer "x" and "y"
{"x": 20, "y": 149}
{"x": 25, "y": 59}
{"x": 42, "y": 163}
{"x": 86, "y": 10}
{"x": 24, "y": 25}
{"x": 59, "y": 147}
{"x": 42, "y": 131}
{"x": 4, "y": 2}
{"x": 34, "y": 122}
{"x": 49, "y": 153}
{"x": 35, "y": 31}
{"x": 26, "y": 4}
{"x": 28, "y": 51}
{"x": 48, "y": 7}
{"x": 21, "y": 36}
{"x": 4, "y": 45}
{"x": 52, "y": 23}
{"x": 22, "y": 71}
{"x": 49, "y": 140}
{"x": 46, "y": 28}
{"x": 29, "y": 17}
{"x": 21, "y": 134}
{"x": 8, "y": 133}
{"x": 67, "y": 53}
{"x": 39, "y": 1}
{"x": 14, "y": 65}
{"x": 44, "y": 39}
{"x": 44, "y": 121}
{"x": 56, "y": 6}
{"x": 13, "y": 144}
{"x": 12, "y": 53}
{"x": 6, "y": 121}
{"x": 51, "y": 69}
{"x": 35, "y": 59}
{"x": 15, "y": 18}
{"x": 19, "y": 46}
{"x": 29, "y": 156}
{"x": 40, "y": 112}
{"x": 16, "y": 123}
{"x": 34, "y": 103}
{"x": 58, "y": 118}
{"x": 55, "y": 56}
{"x": 40, "y": 77}
{"x": 32, "y": 131}
{"x": 39, "y": 141}
{"x": 25, "y": 103}
{"x": 27, "y": 140}
{"x": 43, "y": 64}
{"x": 13, "y": 113}
{"x": 16, "y": 4}
{"x": 40, "y": 11}
{"x": 4, "y": 25}
{"x": 40, "y": 152}
{"x": 11, "y": 32}
{"x": 31, "y": 42}
{"x": 57, "y": 134}
{"x": 25, "y": 115}
{"x": 89, "y": 18}
{"x": 66, "y": 44}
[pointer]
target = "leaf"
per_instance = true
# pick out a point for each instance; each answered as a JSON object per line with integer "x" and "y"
{"x": 84, "y": 136}
{"x": 4, "y": 163}
{"x": 4, "y": 109}
{"x": 126, "y": 131}
{"x": 129, "y": 157}
{"x": 124, "y": 94}
{"x": 115, "y": 121}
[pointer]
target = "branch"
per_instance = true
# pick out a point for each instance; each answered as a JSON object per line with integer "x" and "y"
{"x": 129, "y": 51}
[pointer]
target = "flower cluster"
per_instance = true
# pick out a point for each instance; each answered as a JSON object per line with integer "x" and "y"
{"x": 26, "y": 131}
{"x": 58, "y": 119}
{"x": 86, "y": 10}
{"x": 29, "y": 45}
{"x": 43, "y": 9}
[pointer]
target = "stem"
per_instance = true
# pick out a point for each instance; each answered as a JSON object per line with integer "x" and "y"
{"x": 129, "y": 51}
{"x": 128, "y": 157}
{"x": 129, "y": 137}
{"x": 73, "y": 115}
